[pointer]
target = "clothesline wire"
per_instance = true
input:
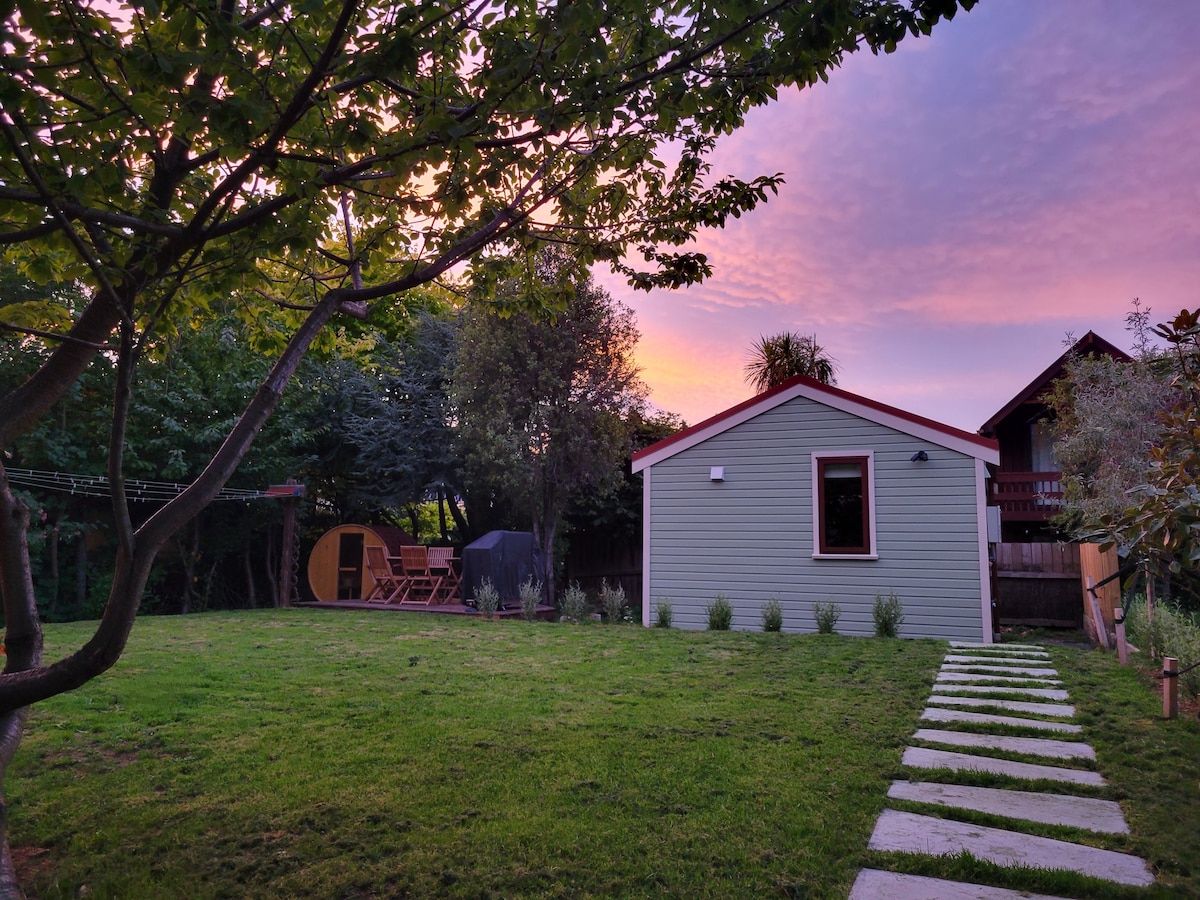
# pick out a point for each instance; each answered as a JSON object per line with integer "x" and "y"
{"x": 135, "y": 489}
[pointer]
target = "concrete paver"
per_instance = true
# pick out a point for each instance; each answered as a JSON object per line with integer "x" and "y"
{"x": 873, "y": 884}
{"x": 1040, "y": 709}
{"x": 930, "y": 758}
{"x": 1015, "y": 679}
{"x": 1050, "y": 809}
{"x": 911, "y": 833}
{"x": 1044, "y": 693}
{"x": 1015, "y": 670}
{"x": 1001, "y": 652}
{"x": 996, "y": 659}
{"x": 961, "y": 715}
{"x": 1033, "y": 746}
{"x": 975, "y": 645}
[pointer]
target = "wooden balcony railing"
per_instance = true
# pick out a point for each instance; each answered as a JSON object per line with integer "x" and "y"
{"x": 1027, "y": 496}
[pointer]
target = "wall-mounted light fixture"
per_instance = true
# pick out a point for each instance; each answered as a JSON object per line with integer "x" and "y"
{"x": 920, "y": 456}
{"x": 716, "y": 473}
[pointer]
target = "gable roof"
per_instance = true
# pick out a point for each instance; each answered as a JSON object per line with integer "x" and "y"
{"x": 1090, "y": 344}
{"x": 947, "y": 436}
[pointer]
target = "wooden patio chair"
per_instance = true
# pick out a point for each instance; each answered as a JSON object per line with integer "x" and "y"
{"x": 418, "y": 579}
{"x": 441, "y": 562}
{"x": 387, "y": 583}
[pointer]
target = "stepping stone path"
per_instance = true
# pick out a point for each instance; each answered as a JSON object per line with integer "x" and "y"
{"x": 969, "y": 674}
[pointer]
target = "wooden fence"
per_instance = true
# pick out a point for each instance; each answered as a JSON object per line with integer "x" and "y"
{"x": 1039, "y": 585}
{"x": 591, "y": 561}
{"x": 1098, "y": 566}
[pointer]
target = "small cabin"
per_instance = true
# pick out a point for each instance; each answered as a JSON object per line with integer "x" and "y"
{"x": 337, "y": 566}
{"x": 810, "y": 494}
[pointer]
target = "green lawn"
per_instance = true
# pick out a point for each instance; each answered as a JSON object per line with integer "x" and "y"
{"x": 321, "y": 753}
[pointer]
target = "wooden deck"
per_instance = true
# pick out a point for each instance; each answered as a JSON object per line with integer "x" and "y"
{"x": 547, "y": 613}
{"x": 1027, "y": 496}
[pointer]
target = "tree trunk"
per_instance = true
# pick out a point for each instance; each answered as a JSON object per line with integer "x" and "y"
{"x": 543, "y": 536}
{"x": 52, "y": 544}
{"x": 23, "y": 650}
{"x": 442, "y": 512}
{"x": 206, "y": 594}
{"x": 189, "y": 553}
{"x": 248, "y": 568}
{"x": 464, "y": 532}
{"x": 81, "y": 572}
{"x": 269, "y": 562}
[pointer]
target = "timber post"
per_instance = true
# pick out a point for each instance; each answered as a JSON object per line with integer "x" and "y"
{"x": 1122, "y": 647}
{"x": 1170, "y": 680}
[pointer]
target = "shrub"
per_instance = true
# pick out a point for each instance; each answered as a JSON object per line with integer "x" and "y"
{"x": 1173, "y": 633}
{"x": 613, "y": 601}
{"x": 662, "y": 614}
{"x": 888, "y": 614}
{"x": 827, "y": 615}
{"x": 531, "y": 595}
{"x": 574, "y": 604}
{"x": 720, "y": 614}
{"x": 487, "y": 598}
{"x": 772, "y": 615}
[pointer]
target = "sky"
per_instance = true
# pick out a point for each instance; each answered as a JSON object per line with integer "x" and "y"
{"x": 953, "y": 210}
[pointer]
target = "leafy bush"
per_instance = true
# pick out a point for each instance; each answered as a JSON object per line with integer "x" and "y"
{"x": 574, "y": 604}
{"x": 720, "y": 614}
{"x": 1173, "y": 632}
{"x": 772, "y": 615}
{"x": 888, "y": 614}
{"x": 613, "y": 601}
{"x": 662, "y": 614}
{"x": 827, "y": 615}
{"x": 531, "y": 595}
{"x": 487, "y": 598}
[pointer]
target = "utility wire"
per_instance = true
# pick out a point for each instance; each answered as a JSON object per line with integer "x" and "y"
{"x": 147, "y": 491}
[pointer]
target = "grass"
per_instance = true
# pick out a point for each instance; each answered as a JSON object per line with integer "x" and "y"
{"x": 316, "y": 753}
{"x": 331, "y": 754}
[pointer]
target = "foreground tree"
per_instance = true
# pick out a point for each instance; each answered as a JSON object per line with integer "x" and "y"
{"x": 167, "y": 155}
{"x": 1161, "y": 524}
{"x": 773, "y": 360}
{"x": 1107, "y": 414}
{"x": 544, "y": 406}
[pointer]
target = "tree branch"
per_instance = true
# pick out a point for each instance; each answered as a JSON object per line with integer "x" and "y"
{"x": 51, "y": 336}
{"x": 73, "y": 211}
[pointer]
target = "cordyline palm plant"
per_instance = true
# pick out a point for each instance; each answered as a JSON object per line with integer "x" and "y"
{"x": 773, "y": 360}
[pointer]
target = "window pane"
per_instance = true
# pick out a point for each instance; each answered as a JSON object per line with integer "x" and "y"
{"x": 842, "y": 489}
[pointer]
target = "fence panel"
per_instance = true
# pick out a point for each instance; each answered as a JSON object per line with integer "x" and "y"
{"x": 1098, "y": 565}
{"x": 591, "y": 561}
{"x": 1037, "y": 584}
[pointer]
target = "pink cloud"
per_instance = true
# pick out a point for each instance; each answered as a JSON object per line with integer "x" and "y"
{"x": 951, "y": 210}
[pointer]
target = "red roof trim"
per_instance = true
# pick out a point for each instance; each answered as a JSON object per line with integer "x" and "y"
{"x": 819, "y": 387}
{"x": 1089, "y": 343}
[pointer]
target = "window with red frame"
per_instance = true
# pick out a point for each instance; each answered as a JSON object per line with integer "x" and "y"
{"x": 843, "y": 502}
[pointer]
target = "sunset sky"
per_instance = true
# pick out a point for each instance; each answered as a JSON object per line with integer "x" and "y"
{"x": 953, "y": 210}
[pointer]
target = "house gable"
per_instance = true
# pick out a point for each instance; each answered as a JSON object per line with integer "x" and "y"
{"x": 1088, "y": 345}
{"x": 974, "y": 445}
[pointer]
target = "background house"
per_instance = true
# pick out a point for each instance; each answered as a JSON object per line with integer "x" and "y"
{"x": 1037, "y": 569}
{"x": 810, "y": 493}
{"x": 1026, "y": 485}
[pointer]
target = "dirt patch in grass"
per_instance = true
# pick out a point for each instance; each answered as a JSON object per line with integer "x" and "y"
{"x": 32, "y": 863}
